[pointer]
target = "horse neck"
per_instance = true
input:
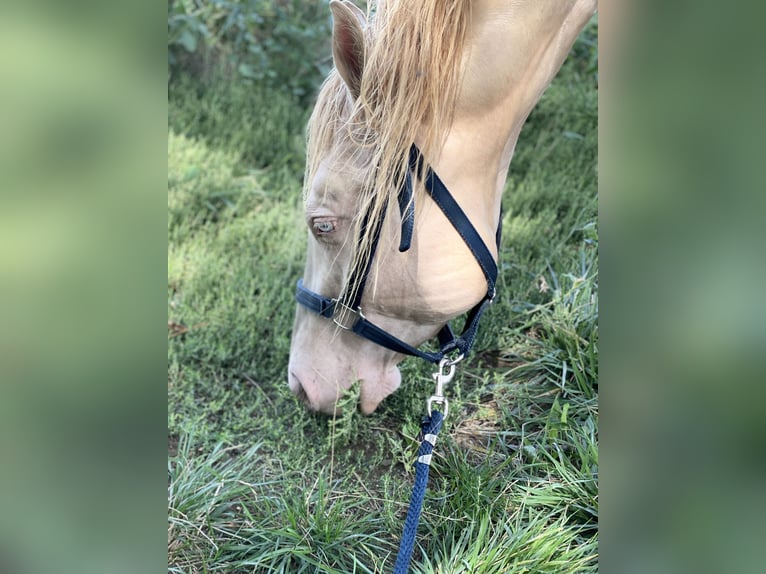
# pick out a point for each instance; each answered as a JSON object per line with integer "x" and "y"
{"x": 513, "y": 50}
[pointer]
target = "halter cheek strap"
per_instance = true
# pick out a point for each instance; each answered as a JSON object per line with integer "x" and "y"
{"x": 345, "y": 310}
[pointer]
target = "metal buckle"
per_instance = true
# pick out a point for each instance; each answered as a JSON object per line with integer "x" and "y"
{"x": 345, "y": 317}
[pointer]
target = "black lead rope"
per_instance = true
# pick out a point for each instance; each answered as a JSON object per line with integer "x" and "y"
{"x": 345, "y": 312}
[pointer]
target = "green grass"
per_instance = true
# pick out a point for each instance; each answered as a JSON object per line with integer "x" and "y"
{"x": 258, "y": 484}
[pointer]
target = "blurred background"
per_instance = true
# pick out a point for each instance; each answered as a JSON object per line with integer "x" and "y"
{"x": 683, "y": 320}
{"x": 282, "y": 45}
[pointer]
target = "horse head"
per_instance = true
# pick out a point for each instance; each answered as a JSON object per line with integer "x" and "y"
{"x": 457, "y": 78}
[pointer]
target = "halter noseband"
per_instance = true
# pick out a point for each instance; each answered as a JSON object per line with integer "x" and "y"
{"x": 345, "y": 311}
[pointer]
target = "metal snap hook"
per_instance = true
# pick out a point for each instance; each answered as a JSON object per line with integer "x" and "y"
{"x": 439, "y": 401}
{"x": 444, "y": 375}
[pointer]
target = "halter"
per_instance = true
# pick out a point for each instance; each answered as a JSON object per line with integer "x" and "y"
{"x": 345, "y": 310}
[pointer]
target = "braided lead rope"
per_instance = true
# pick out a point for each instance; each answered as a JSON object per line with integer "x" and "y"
{"x": 431, "y": 426}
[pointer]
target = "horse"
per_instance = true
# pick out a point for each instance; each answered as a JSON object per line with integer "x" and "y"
{"x": 453, "y": 80}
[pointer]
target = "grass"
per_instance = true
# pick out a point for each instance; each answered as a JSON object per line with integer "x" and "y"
{"x": 258, "y": 484}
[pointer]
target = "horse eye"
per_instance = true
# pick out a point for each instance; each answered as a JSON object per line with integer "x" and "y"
{"x": 324, "y": 226}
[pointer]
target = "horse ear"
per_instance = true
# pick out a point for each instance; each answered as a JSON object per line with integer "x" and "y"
{"x": 349, "y": 23}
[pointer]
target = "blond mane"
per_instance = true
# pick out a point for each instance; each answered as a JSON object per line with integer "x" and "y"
{"x": 409, "y": 85}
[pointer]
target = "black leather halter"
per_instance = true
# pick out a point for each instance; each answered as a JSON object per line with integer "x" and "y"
{"x": 345, "y": 310}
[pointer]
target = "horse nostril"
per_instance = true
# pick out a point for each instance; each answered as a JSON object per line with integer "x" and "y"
{"x": 300, "y": 392}
{"x": 296, "y": 386}
{"x": 310, "y": 400}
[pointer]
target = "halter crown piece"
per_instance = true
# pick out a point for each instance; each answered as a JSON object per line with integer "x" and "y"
{"x": 345, "y": 310}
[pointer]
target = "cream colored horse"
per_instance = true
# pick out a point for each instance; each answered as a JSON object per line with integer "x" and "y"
{"x": 458, "y": 78}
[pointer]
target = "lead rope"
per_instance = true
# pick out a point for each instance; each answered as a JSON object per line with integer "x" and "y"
{"x": 430, "y": 427}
